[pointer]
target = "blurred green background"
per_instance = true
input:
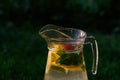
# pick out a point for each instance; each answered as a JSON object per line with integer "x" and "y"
{"x": 23, "y": 52}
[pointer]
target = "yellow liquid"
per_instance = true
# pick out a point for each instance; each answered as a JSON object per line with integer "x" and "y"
{"x": 65, "y": 68}
{"x": 68, "y": 66}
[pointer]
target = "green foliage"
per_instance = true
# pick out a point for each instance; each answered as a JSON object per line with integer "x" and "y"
{"x": 21, "y": 54}
{"x": 91, "y": 13}
{"x": 108, "y": 65}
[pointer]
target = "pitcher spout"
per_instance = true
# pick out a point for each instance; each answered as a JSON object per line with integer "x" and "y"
{"x": 53, "y": 32}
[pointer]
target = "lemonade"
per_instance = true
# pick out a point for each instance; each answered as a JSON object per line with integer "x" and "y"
{"x": 65, "y": 62}
{"x": 67, "y": 57}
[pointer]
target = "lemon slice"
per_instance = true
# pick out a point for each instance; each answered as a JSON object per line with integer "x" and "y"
{"x": 54, "y": 56}
{"x": 58, "y": 47}
{"x": 58, "y": 68}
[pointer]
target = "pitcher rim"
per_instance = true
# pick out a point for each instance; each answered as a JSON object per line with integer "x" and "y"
{"x": 66, "y": 39}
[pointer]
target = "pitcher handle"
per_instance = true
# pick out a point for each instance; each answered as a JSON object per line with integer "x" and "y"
{"x": 94, "y": 46}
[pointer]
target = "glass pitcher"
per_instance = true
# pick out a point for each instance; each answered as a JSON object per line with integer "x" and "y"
{"x": 65, "y": 57}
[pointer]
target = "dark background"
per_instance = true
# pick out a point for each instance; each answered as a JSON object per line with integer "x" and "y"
{"x": 23, "y": 52}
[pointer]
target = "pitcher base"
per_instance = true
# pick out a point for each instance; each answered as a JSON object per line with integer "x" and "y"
{"x": 71, "y": 75}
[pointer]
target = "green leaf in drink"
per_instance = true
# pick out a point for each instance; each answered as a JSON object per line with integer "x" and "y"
{"x": 61, "y": 52}
{"x": 69, "y": 58}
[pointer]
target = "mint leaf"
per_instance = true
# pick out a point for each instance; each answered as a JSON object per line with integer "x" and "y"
{"x": 70, "y": 59}
{"x": 61, "y": 52}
